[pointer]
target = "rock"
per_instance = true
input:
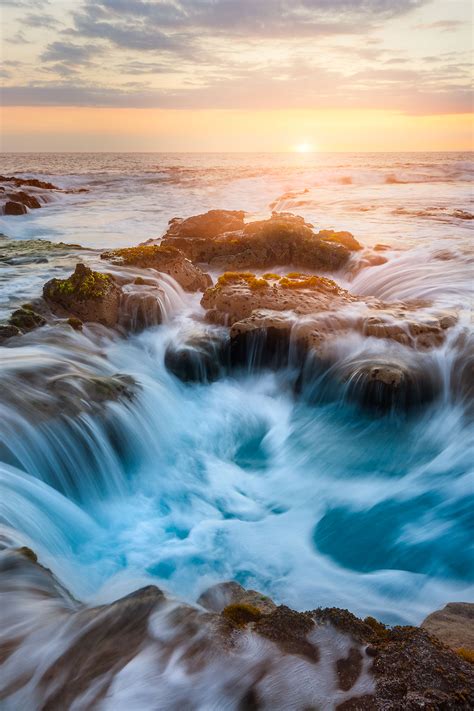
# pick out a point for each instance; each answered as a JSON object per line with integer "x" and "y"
{"x": 345, "y": 238}
{"x": 202, "y": 356}
{"x": 284, "y": 239}
{"x": 86, "y": 294}
{"x": 388, "y": 384}
{"x": 256, "y": 656}
{"x": 26, "y": 319}
{"x": 8, "y": 331}
{"x": 206, "y": 226}
{"x": 28, "y": 200}
{"x": 14, "y": 208}
{"x": 168, "y": 260}
{"x": 220, "y": 596}
{"x": 453, "y": 625}
{"x": 31, "y": 182}
{"x": 75, "y": 323}
{"x": 237, "y": 294}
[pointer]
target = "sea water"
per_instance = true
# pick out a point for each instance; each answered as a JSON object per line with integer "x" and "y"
{"x": 312, "y": 503}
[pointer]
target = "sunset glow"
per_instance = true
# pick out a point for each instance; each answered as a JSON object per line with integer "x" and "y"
{"x": 235, "y": 75}
{"x": 304, "y": 148}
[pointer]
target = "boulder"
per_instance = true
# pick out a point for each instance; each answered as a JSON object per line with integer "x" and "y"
{"x": 14, "y": 208}
{"x": 31, "y": 182}
{"x": 86, "y": 294}
{"x": 237, "y": 294}
{"x": 28, "y": 200}
{"x": 453, "y": 625}
{"x": 202, "y": 356}
{"x": 168, "y": 260}
{"x": 388, "y": 384}
{"x": 206, "y": 226}
{"x": 284, "y": 239}
{"x": 26, "y": 319}
{"x": 8, "y": 331}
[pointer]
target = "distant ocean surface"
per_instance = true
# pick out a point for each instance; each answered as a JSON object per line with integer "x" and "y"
{"x": 194, "y": 485}
{"x": 402, "y": 197}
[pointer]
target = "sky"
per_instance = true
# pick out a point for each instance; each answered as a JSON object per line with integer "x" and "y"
{"x": 236, "y": 75}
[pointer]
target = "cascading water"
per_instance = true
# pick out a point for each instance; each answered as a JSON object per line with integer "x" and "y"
{"x": 285, "y": 485}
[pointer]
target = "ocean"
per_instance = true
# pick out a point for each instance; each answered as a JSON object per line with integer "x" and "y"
{"x": 312, "y": 504}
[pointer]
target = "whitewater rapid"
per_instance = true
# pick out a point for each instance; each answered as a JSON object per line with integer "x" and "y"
{"x": 310, "y": 501}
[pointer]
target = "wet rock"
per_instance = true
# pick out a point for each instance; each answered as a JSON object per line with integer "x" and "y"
{"x": 206, "y": 226}
{"x": 264, "y": 340}
{"x": 140, "y": 308}
{"x": 453, "y": 625}
{"x": 14, "y": 208}
{"x": 388, "y": 385}
{"x": 31, "y": 182}
{"x": 258, "y": 658}
{"x": 27, "y": 200}
{"x": 284, "y": 239}
{"x": 289, "y": 631}
{"x": 345, "y": 238}
{"x": 168, "y": 260}
{"x": 26, "y": 319}
{"x": 237, "y": 294}
{"x": 220, "y": 596}
{"x": 75, "y": 323}
{"x": 86, "y": 294}
{"x": 8, "y": 331}
{"x": 202, "y": 356}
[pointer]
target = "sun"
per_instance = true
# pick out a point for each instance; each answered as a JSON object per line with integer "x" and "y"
{"x": 303, "y": 148}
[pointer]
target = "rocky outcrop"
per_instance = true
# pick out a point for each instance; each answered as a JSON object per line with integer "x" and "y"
{"x": 168, "y": 260}
{"x": 87, "y": 294}
{"x": 56, "y": 388}
{"x": 453, "y": 625}
{"x": 26, "y": 319}
{"x": 222, "y": 240}
{"x": 387, "y": 384}
{"x": 30, "y": 182}
{"x": 294, "y": 320}
{"x": 259, "y": 655}
{"x": 238, "y": 294}
{"x": 18, "y": 202}
{"x": 200, "y": 356}
{"x": 14, "y": 208}
{"x": 27, "y": 200}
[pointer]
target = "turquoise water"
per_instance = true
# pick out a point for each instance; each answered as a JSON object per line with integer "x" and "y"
{"x": 310, "y": 500}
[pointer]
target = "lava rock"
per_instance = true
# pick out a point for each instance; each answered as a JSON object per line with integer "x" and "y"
{"x": 14, "y": 208}
{"x": 86, "y": 294}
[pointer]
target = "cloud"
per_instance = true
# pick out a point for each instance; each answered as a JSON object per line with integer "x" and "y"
{"x": 69, "y": 53}
{"x": 443, "y": 25}
{"x": 309, "y": 89}
{"x": 172, "y": 25}
{"x": 36, "y": 19}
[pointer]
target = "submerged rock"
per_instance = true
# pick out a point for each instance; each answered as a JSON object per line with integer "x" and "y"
{"x": 388, "y": 384}
{"x": 26, "y": 319}
{"x": 222, "y": 239}
{"x": 168, "y": 260}
{"x": 202, "y": 356}
{"x": 89, "y": 295}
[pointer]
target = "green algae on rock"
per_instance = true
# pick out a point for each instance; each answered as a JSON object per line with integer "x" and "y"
{"x": 86, "y": 294}
{"x": 166, "y": 259}
{"x": 222, "y": 240}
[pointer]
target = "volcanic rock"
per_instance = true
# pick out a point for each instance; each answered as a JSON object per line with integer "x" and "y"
{"x": 222, "y": 240}
{"x": 168, "y": 260}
